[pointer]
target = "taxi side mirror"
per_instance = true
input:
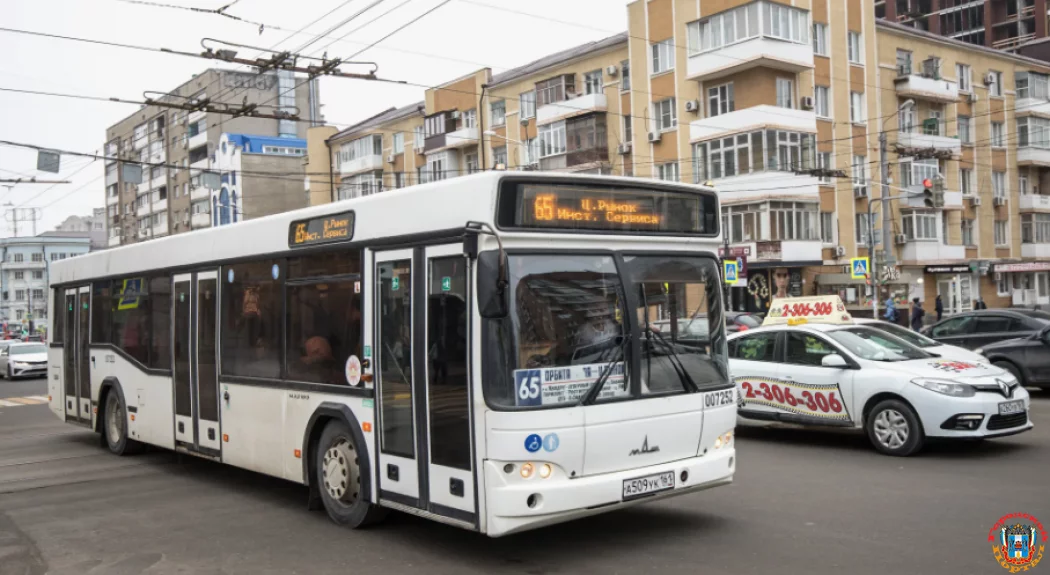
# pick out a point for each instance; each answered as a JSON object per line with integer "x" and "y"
{"x": 834, "y": 360}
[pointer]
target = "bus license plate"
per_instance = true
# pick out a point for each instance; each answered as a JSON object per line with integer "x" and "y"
{"x": 640, "y": 486}
{"x": 1011, "y": 407}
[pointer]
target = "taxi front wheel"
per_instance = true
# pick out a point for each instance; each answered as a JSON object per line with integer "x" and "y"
{"x": 894, "y": 429}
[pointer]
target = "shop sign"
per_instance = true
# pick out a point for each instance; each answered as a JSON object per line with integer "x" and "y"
{"x": 736, "y": 252}
{"x": 768, "y": 250}
{"x": 890, "y": 274}
{"x": 1023, "y": 267}
{"x": 953, "y": 269}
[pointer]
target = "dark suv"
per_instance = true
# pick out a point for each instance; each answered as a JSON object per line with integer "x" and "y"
{"x": 975, "y": 329}
{"x": 1028, "y": 358}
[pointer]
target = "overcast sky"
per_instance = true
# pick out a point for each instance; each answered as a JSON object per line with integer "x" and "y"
{"x": 457, "y": 39}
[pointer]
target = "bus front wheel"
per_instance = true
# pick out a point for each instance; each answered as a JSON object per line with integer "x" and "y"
{"x": 338, "y": 475}
{"x": 115, "y": 426}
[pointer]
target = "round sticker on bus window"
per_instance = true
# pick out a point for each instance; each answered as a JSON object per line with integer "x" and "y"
{"x": 353, "y": 370}
{"x": 276, "y": 271}
{"x": 229, "y": 276}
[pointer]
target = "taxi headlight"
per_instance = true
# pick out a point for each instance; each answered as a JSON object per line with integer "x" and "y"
{"x": 945, "y": 387}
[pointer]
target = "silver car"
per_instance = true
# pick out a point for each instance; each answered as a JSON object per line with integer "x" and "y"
{"x": 23, "y": 360}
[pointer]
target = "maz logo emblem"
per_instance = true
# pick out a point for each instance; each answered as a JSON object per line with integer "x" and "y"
{"x": 645, "y": 448}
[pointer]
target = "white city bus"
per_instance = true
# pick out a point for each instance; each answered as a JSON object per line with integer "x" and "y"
{"x": 497, "y": 352}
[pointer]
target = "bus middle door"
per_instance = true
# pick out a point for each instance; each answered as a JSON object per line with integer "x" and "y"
{"x": 195, "y": 362}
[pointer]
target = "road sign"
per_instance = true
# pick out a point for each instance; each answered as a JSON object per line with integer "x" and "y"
{"x": 858, "y": 268}
{"x": 731, "y": 271}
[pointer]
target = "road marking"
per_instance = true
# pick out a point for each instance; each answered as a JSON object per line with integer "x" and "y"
{"x": 17, "y": 401}
{"x": 5, "y": 403}
{"x": 40, "y": 397}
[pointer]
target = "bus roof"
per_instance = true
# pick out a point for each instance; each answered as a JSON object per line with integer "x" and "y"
{"x": 432, "y": 208}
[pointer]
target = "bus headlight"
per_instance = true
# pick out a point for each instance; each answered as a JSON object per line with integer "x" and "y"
{"x": 526, "y": 470}
{"x": 545, "y": 470}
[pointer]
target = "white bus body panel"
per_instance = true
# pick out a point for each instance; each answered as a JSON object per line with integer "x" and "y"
{"x": 56, "y": 391}
{"x": 151, "y": 396}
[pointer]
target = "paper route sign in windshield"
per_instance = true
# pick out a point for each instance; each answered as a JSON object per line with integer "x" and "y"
{"x": 566, "y": 384}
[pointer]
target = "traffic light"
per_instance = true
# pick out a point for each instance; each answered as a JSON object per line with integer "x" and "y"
{"x": 933, "y": 192}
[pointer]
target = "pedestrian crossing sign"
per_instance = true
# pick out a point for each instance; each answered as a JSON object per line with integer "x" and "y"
{"x": 731, "y": 271}
{"x": 858, "y": 268}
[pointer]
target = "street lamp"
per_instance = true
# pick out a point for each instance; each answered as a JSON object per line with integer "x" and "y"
{"x": 887, "y": 218}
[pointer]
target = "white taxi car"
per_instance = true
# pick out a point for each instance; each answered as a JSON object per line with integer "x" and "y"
{"x": 811, "y": 364}
{"x": 918, "y": 340}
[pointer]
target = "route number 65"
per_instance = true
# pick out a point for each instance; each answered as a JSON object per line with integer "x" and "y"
{"x": 529, "y": 388}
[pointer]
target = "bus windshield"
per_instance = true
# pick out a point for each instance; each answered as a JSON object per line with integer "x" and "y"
{"x": 568, "y": 335}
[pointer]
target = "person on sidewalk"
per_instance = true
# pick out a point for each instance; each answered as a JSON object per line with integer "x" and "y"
{"x": 939, "y": 307}
{"x": 917, "y": 313}
{"x": 891, "y": 310}
{"x": 980, "y": 304}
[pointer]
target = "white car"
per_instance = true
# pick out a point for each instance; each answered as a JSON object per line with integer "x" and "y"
{"x": 23, "y": 360}
{"x": 847, "y": 375}
{"x": 918, "y": 340}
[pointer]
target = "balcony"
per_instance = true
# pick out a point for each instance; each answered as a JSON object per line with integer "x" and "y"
{"x": 362, "y": 164}
{"x": 142, "y": 210}
{"x": 756, "y": 186}
{"x": 201, "y": 164}
{"x": 112, "y": 199}
{"x": 112, "y": 175}
{"x": 750, "y": 119}
{"x": 202, "y": 220}
{"x": 160, "y": 230}
{"x": 952, "y": 200}
{"x": 200, "y": 193}
{"x": 1039, "y": 251}
{"x": 578, "y": 106}
{"x": 782, "y": 250}
{"x": 159, "y": 206}
{"x": 1033, "y": 156}
{"x": 915, "y": 139}
{"x": 22, "y": 265}
{"x": 159, "y": 181}
{"x": 198, "y": 140}
{"x": 927, "y": 88}
{"x": 196, "y": 116}
{"x": 755, "y": 52}
{"x": 140, "y": 142}
{"x": 462, "y": 137}
{"x": 1033, "y": 107}
{"x": 931, "y": 251}
{"x": 113, "y": 241}
{"x": 1034, "y": 203}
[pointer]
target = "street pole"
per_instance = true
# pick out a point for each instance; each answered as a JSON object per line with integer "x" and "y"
{"x": 871, "y": 264}
{"x": 725, "y": 256}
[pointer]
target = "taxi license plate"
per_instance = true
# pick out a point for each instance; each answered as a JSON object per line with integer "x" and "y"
{"x": 640, "y": 486}
{"x": 1011, "y": 407}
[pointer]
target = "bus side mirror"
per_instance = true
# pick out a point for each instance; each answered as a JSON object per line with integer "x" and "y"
{"x": 492, "y": 296}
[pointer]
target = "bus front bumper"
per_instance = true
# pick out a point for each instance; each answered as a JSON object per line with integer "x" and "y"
{"x": 515, "y": 504}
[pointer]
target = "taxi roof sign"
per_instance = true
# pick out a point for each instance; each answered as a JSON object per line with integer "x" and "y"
{"x": 800, "y": 310}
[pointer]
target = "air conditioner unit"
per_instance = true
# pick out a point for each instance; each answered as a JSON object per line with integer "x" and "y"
{"x": 860, "y": 192}
{"x": 973, "y": 97}
{"x": 654, "y": 136}
{"x": 692, "y": 106}
{"x": 624, "y": 148}
{"x": 807, "y": 102}
{"x": 989, "y": 78}
{"x": 900, "y": 239}
{"x": 390, "y": 158}
{"x": 612, "y": 70}
{"x": 998, "y": 201}
{"x": 840, "y": 251}
{"x": 975, "y": 201}
{"x": 454, "y": 114}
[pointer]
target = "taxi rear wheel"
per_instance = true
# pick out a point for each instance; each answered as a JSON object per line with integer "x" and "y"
{"x": 894, "y": 429}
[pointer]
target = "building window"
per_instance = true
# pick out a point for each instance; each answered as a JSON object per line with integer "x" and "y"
{"x": 628, "y": 132}
{"x": 827, "y": 227}
{"x": 471, "y": 162}
{"x": 1032, "y": 131}
{"x": 527, "y": 105}
{"x": 999, "y": 184}
{"x": 962, "y": 75}
{"x": 967, "y": 233}
{"x": 966, "y": 181}
{"x": 1022, "y": 185}
{"x": 499, "y": 113}
{"x": 499, "y": 155}
{"x": 855, "y": 48}
{"x": 1000, "y": 233}
{"x": 37, "y": 257}
{"x": 20, "y": 295}
{"x": 820, "y": 39}
{"x": 1035, "y": 228}
{"x": 759, "y": 151}
{"x": 399, "y": 142}
{"x": 965, "y": 129}
{"x": 19, "y": 258}
{"x": 752, "y": 20}
{"x": 552, "y": 139}
{"x": 38, "y": 275}
{"x": 720, "y": 100}
{"x": 592, "y": 82}
{"x": 38, "y": 294}
{"x": 998, "y": 140}
{"x": 904, "y": 65}
{"x": 418, "y": 138}
{"x": 361, "y": 148}
{"x": 665, "y": 115}
{"x": 919, "y": 225}
{"x": 793, "y": 221}
{"x": 856, "y": 107}
{"x": 824, "y": 163}
{"x": 860, "y": 176}
{"x": 785, "y": 93}
{"x": 667, "y": 172}
{"x": 663, "y": 56}
{"x": 469, "y": 119}
{"x": 531, "y": 152}
{"x": 1032, "y": 85}
{"x": 625, "y": 75}
{"x": 19, "y": 275}
{"x": 995, "y": 83}
{"x": 821, "y": 101}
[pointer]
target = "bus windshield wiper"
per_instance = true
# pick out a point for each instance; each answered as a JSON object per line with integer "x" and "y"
{"x": 607, "y": 368}
{"x": 674, "y": 359}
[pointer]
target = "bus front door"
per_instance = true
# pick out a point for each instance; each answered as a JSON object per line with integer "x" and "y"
{"x": 194, "y": 362}
{"x": 423, "y": 382}
{"x": 76, "y": 368}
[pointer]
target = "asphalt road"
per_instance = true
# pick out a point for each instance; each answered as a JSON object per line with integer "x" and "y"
{"x": 802, "y": 502}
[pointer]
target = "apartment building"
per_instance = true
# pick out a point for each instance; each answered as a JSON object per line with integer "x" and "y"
{"x": 186, "y": 142}
{"x": 24, "y": 264}
{"x": 381, "y": 153}
{"x": 258, "y": 176}
{"x": 95, "y": 224}
{"x": 1001, "y": 24}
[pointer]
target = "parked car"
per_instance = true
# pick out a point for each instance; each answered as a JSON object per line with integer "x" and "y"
{"x": 1027, "y": 358}
{"x": 918, "y": 340}
{"x": 975, "y": 329}
{"x": 23, "y": 360}
{"x": 742, "y": 321}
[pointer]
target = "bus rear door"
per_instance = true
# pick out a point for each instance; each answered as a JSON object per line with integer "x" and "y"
{"x": 76, "y": 362}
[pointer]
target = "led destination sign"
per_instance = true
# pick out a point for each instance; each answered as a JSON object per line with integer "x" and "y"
{"x": 324, "y": 230}
{"x": 614, "y": 209}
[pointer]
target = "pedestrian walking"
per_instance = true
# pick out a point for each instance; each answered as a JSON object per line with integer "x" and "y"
{"x": 891, "y": 310}
{"x": 980, "y": 303}
{"x": 939, "y": 307}
{"x": 917, "y": 313}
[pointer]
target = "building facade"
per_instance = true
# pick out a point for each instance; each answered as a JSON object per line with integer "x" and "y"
{"x": 783, "y": 108}
{"x": 24, "y": 265}
{"x": 1002, "y": 24}
{"x": 258, "y": 176}
{"x": 173, "y": 194}
{"x": 95, "y": 224}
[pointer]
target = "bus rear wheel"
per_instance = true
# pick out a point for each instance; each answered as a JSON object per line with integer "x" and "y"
{"x": 338, "y": 476}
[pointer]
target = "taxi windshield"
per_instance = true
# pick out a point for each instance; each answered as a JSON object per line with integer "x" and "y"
{"x": 913, "y": 337}
{"x": 875, "y": 345}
